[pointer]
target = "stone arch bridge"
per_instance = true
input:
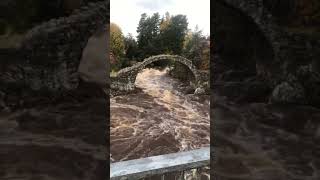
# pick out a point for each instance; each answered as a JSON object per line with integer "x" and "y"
{"x": 125, "y": 78}
{"x": 233, "y": 17}
{"x": 279, "y": 49}
{"x": 49, "y": 56}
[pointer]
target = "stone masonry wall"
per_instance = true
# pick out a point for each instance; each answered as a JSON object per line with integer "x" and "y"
{"x": 49, "y": 56}
{"x": 126, "y": 77}
{"x": 293, "y": 71}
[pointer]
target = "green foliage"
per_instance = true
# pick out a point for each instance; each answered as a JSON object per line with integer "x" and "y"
{"x": 165, "y": 21}
{"x": 148, "y": 32}
{"x": 166, "y": 35}
{"x": 131, "y": 47}
{"x": 116, "y": 45}
{"x": 197, "y": 48}
{"x": 161, "y": 36}
{"x": 173, "y": 32}
{"x": 192, "y": 45}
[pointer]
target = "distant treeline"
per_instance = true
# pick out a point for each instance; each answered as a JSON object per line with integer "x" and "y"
{"x": 168, "y": 34}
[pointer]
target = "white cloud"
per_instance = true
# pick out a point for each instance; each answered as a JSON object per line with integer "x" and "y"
{"x": 154, "y": 5}
{"x": 126, "y": 13}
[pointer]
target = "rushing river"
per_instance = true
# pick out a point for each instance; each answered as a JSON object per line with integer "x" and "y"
{"x": 158, "y": 120}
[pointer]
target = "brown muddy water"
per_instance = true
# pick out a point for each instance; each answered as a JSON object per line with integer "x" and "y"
{"x": 160, "y": 119}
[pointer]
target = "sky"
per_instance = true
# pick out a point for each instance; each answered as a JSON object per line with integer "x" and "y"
{"x": 127, "y": 13}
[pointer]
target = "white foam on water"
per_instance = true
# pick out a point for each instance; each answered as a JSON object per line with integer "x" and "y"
{"x": 159, "y": 119}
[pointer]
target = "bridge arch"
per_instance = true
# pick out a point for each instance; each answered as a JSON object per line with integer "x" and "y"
{"x": 53, "y": 50}
{"x": 125, "y": 78}
{"x": 257, "y": 22}
{"x": 258, "y": 13}
{"x": 135, "y": 69}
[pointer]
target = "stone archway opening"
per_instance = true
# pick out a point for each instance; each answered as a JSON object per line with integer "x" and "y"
{"x": 125, "y": 78}
{"x": 174, "y": 69}
{"x": 240, "y": 44}
{"x": 93, "y": 64}
{"x": 243, "y": 54}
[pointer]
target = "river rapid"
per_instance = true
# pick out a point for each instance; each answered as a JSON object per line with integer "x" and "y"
{"x": 159, "y": 119}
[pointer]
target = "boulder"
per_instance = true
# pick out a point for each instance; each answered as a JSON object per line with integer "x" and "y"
{"x": 287, "y": 92}
{"x": 199, "y": 91}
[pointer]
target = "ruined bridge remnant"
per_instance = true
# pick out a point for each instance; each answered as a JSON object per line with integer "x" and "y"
{"x": 125, "y": 78}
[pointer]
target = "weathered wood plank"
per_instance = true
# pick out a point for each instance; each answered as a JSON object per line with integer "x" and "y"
{"x": 174, "y": 162}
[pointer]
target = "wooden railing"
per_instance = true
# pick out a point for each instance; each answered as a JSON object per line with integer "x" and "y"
{"x": 174, "y": 164}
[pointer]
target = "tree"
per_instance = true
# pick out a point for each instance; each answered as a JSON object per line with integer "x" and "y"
{"x": 165, "y": 21}
{"x": 165, "y": 35}
{"x": 205, "y": 54}
{"x": 148, "y": 31}
{"x": 197, "y": 48}
{"x": 173, "y": 32}
{"x": 116, "y": 44}
{"x": 192, "y": 46}
{"x": 131, "y": 47}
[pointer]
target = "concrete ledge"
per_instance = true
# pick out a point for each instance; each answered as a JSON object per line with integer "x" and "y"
{"x": 157, "y": 165}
